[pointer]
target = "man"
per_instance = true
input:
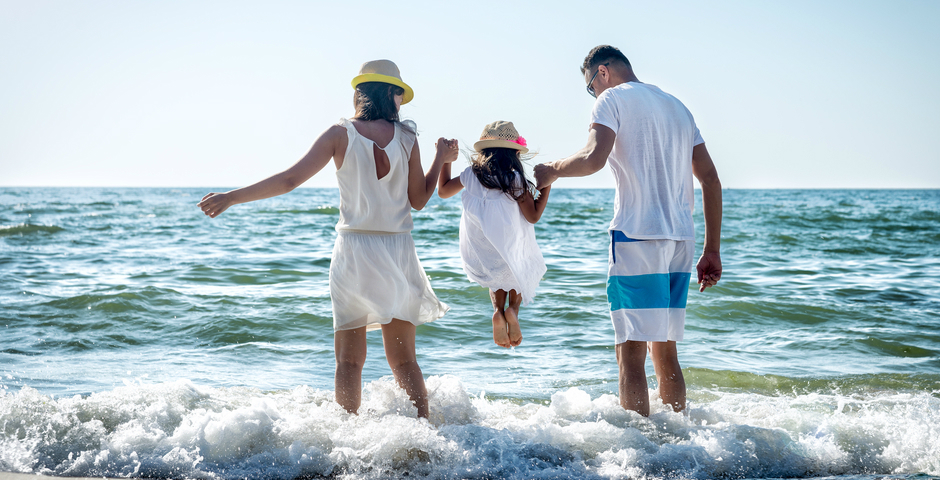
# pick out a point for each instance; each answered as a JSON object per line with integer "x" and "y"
{"x": 654, "y": 149}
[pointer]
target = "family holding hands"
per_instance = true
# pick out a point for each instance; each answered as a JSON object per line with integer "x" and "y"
{"x": 653, "y": 147}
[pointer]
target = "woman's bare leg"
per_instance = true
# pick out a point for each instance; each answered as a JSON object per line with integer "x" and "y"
{"x": 500, "y": 327}
{"x": 350, "y": 346}
{"x": 399, "y": 339}
{"x": 668, "y": 374}
{"x": 512, "y": 318}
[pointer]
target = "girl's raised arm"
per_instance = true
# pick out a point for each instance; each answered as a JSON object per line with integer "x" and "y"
{"x": 531, "y": 208}
{"x": 330, "y": 144}
{"x": 421, "y": 186}
{"x": 448, "y": 187}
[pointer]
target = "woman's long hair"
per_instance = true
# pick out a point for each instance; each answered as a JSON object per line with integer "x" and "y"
{"x": 376, "y": 101}
{"x": 497, "y": 168}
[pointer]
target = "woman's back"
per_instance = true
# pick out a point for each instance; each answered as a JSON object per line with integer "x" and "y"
{"x": 373, "y": 180}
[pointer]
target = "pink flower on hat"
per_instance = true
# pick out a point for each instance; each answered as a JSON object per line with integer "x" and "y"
{"x": 520, "y": 141}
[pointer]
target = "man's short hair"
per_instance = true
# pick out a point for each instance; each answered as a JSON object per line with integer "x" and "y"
{"x": 603, "y": 54}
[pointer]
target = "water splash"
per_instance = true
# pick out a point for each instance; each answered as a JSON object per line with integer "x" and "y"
{"x": 181, "y": 430}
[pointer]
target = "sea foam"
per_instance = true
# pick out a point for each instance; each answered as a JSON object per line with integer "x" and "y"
{"x": 182, "y": 430}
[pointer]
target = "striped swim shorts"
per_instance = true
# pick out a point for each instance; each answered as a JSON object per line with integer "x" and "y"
{"x": 647, "y": 287}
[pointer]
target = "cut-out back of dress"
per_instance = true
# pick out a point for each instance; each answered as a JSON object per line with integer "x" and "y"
{"x": 372, "y": 198}
{"x": 382, "y": 165}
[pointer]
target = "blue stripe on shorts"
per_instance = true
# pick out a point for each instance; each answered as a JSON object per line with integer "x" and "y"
{"x": 657, "y": 290}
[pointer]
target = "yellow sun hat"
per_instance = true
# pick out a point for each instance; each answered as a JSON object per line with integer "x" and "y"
{"x": 501, "y": 134}
{"x": 383, "y": 71}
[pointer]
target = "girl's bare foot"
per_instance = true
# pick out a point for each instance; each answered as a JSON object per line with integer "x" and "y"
{"x": 512, "y": 317}
{"x": 512, "y": 320}
{"x": 500, "y": 330}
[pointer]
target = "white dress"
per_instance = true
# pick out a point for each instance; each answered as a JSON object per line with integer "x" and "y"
{"x": 497, "y": 243}
{"x": 375, "y": 275}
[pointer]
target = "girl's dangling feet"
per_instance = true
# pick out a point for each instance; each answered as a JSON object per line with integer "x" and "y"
{"x": 500, "y": 325}
{"x": 512, "y": 318}
{"x": 500, "y": 330}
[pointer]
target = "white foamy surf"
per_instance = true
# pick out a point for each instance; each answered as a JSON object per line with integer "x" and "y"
{"x": 181, "y": 430}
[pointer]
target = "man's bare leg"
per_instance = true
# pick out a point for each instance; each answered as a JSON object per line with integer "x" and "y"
{"x": 634, "y": 394}
{"x": 350, "y": 349}
{"x": 668, "y": 374}
{"x": 512, "y": 318}
{"x": 500, "y": 327}
{"x": 398, "y": 336}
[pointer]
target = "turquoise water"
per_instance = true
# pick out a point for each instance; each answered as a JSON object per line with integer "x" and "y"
{"x": 141, "y": 338}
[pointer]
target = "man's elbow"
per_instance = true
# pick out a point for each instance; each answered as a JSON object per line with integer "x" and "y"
{"x": 710, "y": 181}
{"x": 595, "y": 162}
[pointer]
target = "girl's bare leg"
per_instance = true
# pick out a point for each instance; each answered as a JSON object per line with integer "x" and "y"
{"x": 500, "y": 328}
{"x": 512, "y": 318}
{"x": 399, "y": 339}
{"x": 350, "y": 346}
{"x": 668, "y": 374}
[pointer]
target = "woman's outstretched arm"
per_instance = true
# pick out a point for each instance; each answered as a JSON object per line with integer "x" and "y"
{"x": 330, "y": 144}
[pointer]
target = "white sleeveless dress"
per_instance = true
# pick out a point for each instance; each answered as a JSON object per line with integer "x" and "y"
{"x": 497, "y": 243}
{"x": 375, "y": 275}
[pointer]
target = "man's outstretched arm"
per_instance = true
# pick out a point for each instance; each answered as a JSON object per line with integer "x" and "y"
{"x": 588, "y": 160}
{"x": 709, "y": 266}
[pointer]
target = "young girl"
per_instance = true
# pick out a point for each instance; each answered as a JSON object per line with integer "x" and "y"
{"x": 376, "y": 280}
{"x": 497, "y": 239}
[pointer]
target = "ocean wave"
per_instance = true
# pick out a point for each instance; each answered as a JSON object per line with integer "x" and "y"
{"x": 118, "y": 299}
{"x": 771, "y": 385}
{"x": 181, "y": 430}
{"x": 28, "y": 229}
{"x": 321, "y": 210}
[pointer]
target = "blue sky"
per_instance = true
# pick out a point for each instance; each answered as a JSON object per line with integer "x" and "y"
{"x": 795, "y": 94}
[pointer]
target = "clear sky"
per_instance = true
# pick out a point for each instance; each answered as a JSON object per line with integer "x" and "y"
{"x": 788, "y": 94}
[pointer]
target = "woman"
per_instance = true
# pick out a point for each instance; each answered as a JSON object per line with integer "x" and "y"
{"x": 376, "y": 280}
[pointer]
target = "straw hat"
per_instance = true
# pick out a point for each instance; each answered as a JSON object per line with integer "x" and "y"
{"x": 383, "y": 71}
{"x": 500, "y": 134}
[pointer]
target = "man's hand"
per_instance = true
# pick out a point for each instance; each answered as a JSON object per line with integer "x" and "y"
{"x": 545, "y": 175}
{"x": 709, "y": 270}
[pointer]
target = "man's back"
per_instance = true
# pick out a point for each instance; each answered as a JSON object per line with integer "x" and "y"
{"x": 651, "y": 160}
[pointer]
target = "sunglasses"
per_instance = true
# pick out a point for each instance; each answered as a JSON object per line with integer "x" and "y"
{"x": 590, "y": 88}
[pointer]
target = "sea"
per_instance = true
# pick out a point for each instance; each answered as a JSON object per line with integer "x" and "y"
{"x": 140, "y": 338}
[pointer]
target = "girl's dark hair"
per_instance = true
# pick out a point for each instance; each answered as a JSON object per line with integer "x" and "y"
{"x": 497, "y": 167}
{"x": 376, "y": 101}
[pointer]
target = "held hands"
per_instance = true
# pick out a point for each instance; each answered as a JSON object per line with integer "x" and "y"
{"x": 545, "y": 175}
{"x": 214, "y": 204}
{"x": 446, "y": 149}
{"x": 709, "y": 270}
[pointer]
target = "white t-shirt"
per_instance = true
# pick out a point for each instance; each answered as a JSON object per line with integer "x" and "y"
{"x": 651, "y": 161}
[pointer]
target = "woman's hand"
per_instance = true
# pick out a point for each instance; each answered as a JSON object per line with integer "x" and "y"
{"x": 214, "y": 204}
{"x": 446, "y": 149}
